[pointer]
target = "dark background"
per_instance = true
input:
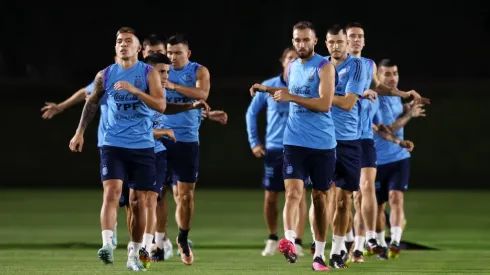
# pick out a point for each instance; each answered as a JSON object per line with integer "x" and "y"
{"x": 48, "y": 52}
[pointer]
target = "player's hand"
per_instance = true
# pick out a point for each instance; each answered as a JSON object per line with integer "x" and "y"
{"x": 282, "y": 95}
{"x": 370, "y": 94}
{"x": 411, "y": 94}
{"x": 170, "y": 85}
{"x": 258, "y": 151}
{"x": 424, "y": 101}
{"x": 50, "y": 110}
{"x": 201, "y": 104}
{"x": 407, "y": 144}
{"x": 257, "y": 87}
{"x": 76, "y": 143}
{"x": 416, "y": 110}
{"x": 170, "y": 134}
{"x": 219, "y": 116}
{"x": 384, "y": 128}
{"x": 126, "y": 86}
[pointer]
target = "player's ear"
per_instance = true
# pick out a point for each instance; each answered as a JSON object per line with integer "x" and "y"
{"x": 189, "y": 53}
{"x": 139, "y": 48}
{"x": 316, "y": 40}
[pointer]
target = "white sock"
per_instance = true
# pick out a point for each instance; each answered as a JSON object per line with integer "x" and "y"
{"x": 134, "y": 249}
{"x": 370, "y": 235}
{"x": 381, "y": 239}
{"x": 159, "y": 239}
{"x": 319, "y": 249}
{"x": 167, "y": 243}
{"x": 337, "y": 243}
{"x": 107, "y": 237}
{"x": 359, "y": 243}
{"x": 343, "y": 247}
{"x": 147, "y": 241}
{"x": 349, "y": 237}
{"x": 290, "y": 235}
{"x": 312, "y": 233}
{"x": 396, "y": 234}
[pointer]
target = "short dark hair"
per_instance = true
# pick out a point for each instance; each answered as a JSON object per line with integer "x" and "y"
{"x": 353, "y": 25}
{"x": 178, "y": 39}
{"x": 285, "y": 52}
{"x": 303, "y": 25}
{"x": 157, "y": 58}
{"x": 335, "y": 29}
{"x": 386, "y": 63}
{"x": 125, "y": 30}
{"x": 153, "y": 40}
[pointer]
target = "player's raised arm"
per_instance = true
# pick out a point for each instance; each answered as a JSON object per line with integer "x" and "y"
{"x": 354, "y": 87}
{"x": 386, "y": 135}
{"x": 88, "y": 113}
{"x": 203, "y": 84}
{"x": 175, "y": 108}
{"x": 51, "y": 109}
{"x": 415, "y": 110}
{"x": 325, "y": 90}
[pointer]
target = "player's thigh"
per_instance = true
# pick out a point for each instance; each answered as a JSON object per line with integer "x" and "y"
{"x": 142, "y": 172}
{"x": 321, "y": 168}
{"x": 273, "y": 162}
{"x": 186, "y": 164}
{"x": 348, "y": 165}
{"x": 400, "y": 176}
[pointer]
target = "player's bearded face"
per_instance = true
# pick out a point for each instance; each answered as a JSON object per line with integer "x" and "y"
{"x": 127, "y": 46}
{"x": 304, "y": 42}
{"x": 389, "y": 76}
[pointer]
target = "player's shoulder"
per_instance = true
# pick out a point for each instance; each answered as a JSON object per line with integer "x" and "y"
{"x": 368, "y": 61}
{"x": 197, "y": 67}
{"x": 356, "y": 63}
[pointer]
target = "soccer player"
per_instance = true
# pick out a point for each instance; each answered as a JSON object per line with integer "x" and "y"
{"x": 188, "y": 82}
{"x": 161, "y": 63}
{"x": 345, "y": 114}
{"x": 277, "y": 115}
{"x": 392, "y": 177}
{"x": 365, "y": 200}
{"x": 133, "y": 89}
{"x": 309, "y": 138}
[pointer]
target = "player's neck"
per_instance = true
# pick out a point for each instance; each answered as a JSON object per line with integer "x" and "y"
{"x": 306, "y": 59}
{"x": 181, "y": 67}
{"x": 337, "y": 62}
{"x": 358, "y": 54}
{"x": 127, "y": 63}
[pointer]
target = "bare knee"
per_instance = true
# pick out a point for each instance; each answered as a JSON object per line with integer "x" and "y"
{"x": 137, "y": 199}
{"x": 318, "y": 197}
{"x": 357, "y": 201}
{"x": 185, "y": 192}
{"x": 151, "y": 200}
{"x": 271, "y": 197}
{"x": 343, "y": 201}
{"x": 112, "y": 191}
{"x": 396, "y": 199}
{"x": 294, "y": 190}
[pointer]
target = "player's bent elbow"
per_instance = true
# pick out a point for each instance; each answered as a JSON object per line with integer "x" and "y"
{"x": 204, "y": 95}
{"x": 162, "y": 106}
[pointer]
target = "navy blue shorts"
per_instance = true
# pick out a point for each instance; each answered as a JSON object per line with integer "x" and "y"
{"x": 124, "y": 199}
{"x": 368, "y": 157}
{"x": 135, "y": 165}
{"x": 273, "y": 180}
{"x": 182, "y": 161}
{"x": 348, "y": 165}
{"x": 161, "y": 171}
{"x": 392, "y": 176}
{"x": 301, "y": 162}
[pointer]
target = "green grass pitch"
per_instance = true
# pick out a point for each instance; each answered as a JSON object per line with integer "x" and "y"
{"x": 57, "y": 232}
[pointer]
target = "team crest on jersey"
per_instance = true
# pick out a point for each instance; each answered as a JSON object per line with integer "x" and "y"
{"x": 187, "y": 78}
{"x": 289, "y": 170}
{"x": 138, "y": 82}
